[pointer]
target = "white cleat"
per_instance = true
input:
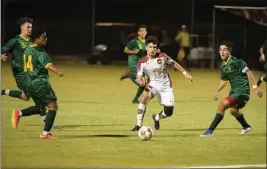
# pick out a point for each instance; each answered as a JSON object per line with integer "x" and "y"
{"x": 245, "y": 130}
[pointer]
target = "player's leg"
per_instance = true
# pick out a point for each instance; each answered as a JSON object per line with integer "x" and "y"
{"x": 49, "y": 98}
{"x": 125, "y": 75}
{"x": 166, "y": 98}
{"x": 140, "y": 90}
{"x": 50, "y": 118}
{"x": 39, "y": 108}
{"x": 235, "y": 111}
{"x": 141, "y": 109}
{"x": 20, "y": 94}
{"x": 223, "y": 105}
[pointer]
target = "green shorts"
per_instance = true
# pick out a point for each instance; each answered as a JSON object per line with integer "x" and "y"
{"x": 19, "y": 79}
{"x": 42, "y": 95}
{"x": 238, "y": 102}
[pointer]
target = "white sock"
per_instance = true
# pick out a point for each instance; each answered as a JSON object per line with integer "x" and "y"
{"x": 7, "y": 92}
{"x": 140, "y": 116}
{"x": 45, "y": 133}
{"x": 20, "y": 113}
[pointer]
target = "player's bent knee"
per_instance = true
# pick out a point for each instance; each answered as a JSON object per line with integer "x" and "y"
{"x": 52, "y": 106}
{"x": 25, "y": 97}
{"x": 168, "y": 110}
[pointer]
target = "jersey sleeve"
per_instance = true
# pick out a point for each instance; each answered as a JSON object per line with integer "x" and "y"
{"x": 44, "y": 59}
{"x": 243, "y": 66}
{"x": 132, "y": 45}
{"x": 169, "y": 60}
{"x": 8, "y": 46}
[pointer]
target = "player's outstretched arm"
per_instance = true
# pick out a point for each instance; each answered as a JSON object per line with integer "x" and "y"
{"x": 254, "y": 84}
{"x": 181, "y": 69}
{"x": 220, "y": 87}
{"x": 53, "y": 68}
{"x": 130, "y": 52}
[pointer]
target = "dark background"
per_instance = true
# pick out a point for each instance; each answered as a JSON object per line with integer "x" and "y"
{"x": 69, "y": 22}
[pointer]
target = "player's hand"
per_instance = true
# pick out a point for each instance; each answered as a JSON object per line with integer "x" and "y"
{"x": 262, "y": 58}
{"x": 258, "y": 92}
{"x": 188, "y": 76}
{"x": 158, "y": 51}
{"x": 216, "y": 96}
{"x": 4, "y": 57}
{"x": 136, "y": 51}
{"x": 60, "y": 73}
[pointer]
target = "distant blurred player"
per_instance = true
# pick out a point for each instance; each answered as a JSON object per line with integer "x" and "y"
{"x": 238, "y": 74}
{"x": 17, "y": 45}
{"x": 263, "y": 53}
{"x": 36, "y": 65}
{"x": 135, "y": 49}
{"x": 159, "y": 84}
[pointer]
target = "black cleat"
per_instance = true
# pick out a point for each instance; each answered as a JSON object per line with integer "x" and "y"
{"x": 136, "y": 128}
{"x": 124, "y": 76}
{"x": 156, "y": 123}
{"x": 259, "y": 81}
{"x": 135, "y": 101}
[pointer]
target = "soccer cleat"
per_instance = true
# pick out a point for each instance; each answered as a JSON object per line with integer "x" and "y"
{"x": 15, "y": 118}
{"x": 259, "y": 81}
{"x": 124, "y": 76}
{"x": 136, "y": 128}
{"x": 47, "y": 137}
{"x": 207, "y": 133}
{"x": 135, "y": 101}
{"x": 245, "y": 130}
{"x": 156, "y": 122}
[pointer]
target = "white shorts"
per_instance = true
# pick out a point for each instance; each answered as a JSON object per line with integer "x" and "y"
{"x": 164, "y": 94}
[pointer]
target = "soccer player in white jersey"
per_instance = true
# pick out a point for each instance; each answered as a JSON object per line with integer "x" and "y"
{"x": 159, "y": 84}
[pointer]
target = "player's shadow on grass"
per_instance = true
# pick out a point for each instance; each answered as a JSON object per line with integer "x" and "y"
{"x": 97, "y": 136}
{"x": 199, "y": 129}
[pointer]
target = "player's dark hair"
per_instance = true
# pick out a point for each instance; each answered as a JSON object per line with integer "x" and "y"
{"x": 141, "y": 26}
{"x": 24, "y": 20}
{"x": 152, "y": 39}
{"x": 37, "y": 32}
{"x": 229, "y": 45}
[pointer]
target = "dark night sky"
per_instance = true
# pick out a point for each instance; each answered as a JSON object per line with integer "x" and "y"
{"x": 71, "y": 20}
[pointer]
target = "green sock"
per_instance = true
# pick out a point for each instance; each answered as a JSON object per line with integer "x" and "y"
{"x": 241, "y": 119}
{"x": 265, "y": 79}
{"x": 139, "y": 92}
{"x": 218, "y": 118}
{"x": 50, "y": 118}
{"x": 15, "y": 93}
{"x": 30, "y": 111}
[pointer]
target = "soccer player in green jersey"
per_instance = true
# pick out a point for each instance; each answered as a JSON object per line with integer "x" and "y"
{"x": 36, "y": 65}
{"x": 136, "y": 49}
{"x": 17, "y": 45}
{"x": 263, "y": 52}
{"x": 238, "y": 74}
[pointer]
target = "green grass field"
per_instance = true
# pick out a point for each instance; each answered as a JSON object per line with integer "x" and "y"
{"x": 96, "y": 114}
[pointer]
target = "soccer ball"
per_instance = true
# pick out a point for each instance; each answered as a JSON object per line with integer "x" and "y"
{"x": 145, "y": 133}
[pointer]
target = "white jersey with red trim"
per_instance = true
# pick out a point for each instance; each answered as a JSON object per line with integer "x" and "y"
{"x": 156, "y": 70}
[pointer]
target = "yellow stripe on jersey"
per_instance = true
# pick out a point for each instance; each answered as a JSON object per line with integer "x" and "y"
{"x": 48, "y": 64}
{"x": 33, "y": 45}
